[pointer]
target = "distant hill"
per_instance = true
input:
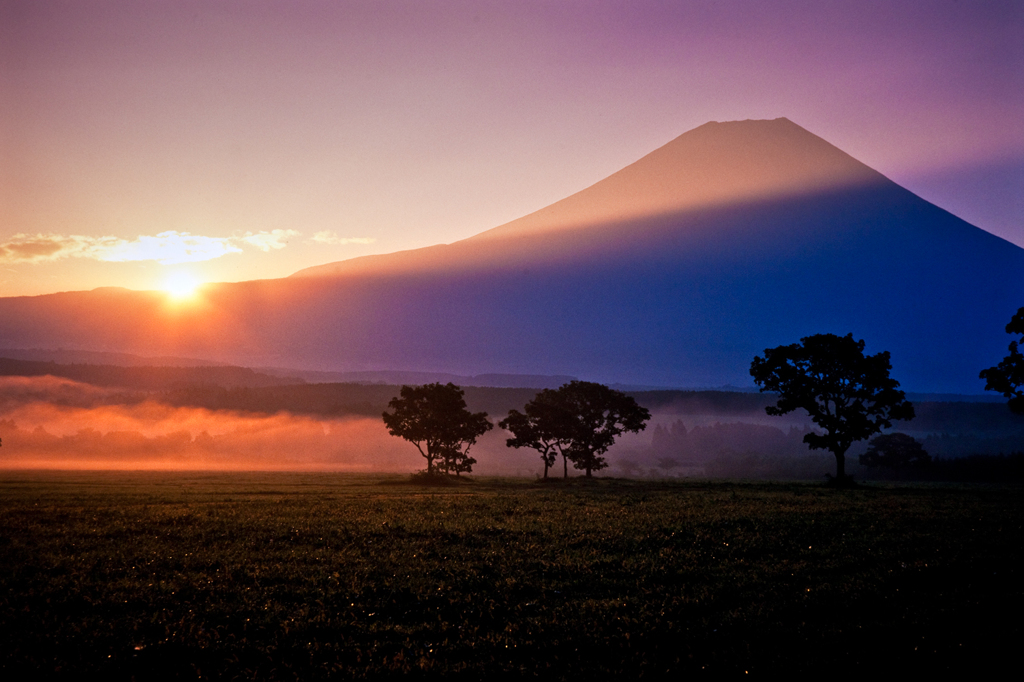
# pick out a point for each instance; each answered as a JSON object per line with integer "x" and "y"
{"x": 399, "y": 378}
{"x": 675, "y": 271}
{"x": 85, "y": 357}
{"x": 144, "y": 378}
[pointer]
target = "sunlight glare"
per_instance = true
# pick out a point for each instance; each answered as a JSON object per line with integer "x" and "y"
{"x": 181, "y": 285}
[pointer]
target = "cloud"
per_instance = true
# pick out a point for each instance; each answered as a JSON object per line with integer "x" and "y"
{"x": 328, "y": 237}
{"x": 169, "y": 248}
{"x": 265, "y": 241}
{"x": 34, "y": 249}
{"x": 49, "y": 247}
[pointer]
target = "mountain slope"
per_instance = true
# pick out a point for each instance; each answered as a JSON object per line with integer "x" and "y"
{"x": 676, "y": 270}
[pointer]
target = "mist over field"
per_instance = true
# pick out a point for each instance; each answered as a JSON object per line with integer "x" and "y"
{"x": 56, "y": 423}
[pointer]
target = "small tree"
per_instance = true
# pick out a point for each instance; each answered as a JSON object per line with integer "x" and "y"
{"x": 1008, "y": 376}
{"x": 895, "y": 451}
{"x": 848, "y": 395}
{"x": 434, "y": 418}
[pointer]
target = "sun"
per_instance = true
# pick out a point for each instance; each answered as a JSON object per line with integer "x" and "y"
{"x": 181, "y": 285}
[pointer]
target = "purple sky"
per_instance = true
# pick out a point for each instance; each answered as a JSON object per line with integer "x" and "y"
{"x": 280, "y": 135}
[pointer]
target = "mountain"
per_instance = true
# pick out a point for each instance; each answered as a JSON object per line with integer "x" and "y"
{"x": 674, "y": 271}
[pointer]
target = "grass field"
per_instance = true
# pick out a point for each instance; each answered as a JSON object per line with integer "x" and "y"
{"x": 313, "y": 576}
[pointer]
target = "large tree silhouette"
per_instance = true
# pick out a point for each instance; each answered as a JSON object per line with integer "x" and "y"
{"x": 580, "y": 420}
{"x": 1008, "y": 376}
{"x": 849, "y": 395}
{"x": 434, "y": 418}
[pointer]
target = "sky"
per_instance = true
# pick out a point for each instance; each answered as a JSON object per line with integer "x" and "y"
{"x": 144, "y": 143}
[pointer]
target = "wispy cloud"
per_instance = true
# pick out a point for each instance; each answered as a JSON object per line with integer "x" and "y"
{"x": 265, "y": 241}
{"x": 169, "y": 248}
{"x": 328, "y": 237}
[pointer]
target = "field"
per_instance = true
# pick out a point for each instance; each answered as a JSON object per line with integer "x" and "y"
{"x": 315, "y": 576}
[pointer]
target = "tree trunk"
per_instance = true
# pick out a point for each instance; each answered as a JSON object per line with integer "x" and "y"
{"x": 841, "y": 465}
{"x": 565, "y": 467}
{"x": 588, "y": 473}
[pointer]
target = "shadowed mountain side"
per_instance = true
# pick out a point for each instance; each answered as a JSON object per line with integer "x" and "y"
{"x": 645, "y": 302}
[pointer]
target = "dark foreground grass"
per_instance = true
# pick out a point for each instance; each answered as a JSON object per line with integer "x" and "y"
{"x": 304, "y": 576}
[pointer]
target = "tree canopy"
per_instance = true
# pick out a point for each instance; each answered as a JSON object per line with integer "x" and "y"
{"x": 434, "y": 418}
{"x": 1008, "y": 376}
{"x": 849, "y": 395}
{"x": 580, "y": 420}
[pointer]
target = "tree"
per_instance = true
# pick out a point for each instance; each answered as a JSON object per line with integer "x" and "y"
{"x": 848, "y": 395}
{"x": 546, "y": 427}
{"x": 434, "y": 418}
{"x": 599, "y": 416}
{"x": 895, "y": 451}
{"x": 1008, "y": 376}
{"x": 580, "y": 420}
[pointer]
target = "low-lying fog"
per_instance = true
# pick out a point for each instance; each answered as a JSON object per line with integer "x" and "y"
{"x": 48, "y": 422}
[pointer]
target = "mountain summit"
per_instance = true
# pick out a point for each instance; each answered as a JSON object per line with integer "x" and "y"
{"x": 676, "y": 270}
{"x": 717, "y": 165}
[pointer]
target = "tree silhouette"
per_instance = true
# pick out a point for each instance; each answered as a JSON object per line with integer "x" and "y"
{"x": 599, "y": 416}
{"x": 580, "y": 420}
{"x": 434, "y": 418}
{"x": 1008, "y": 376}
{"x": 895, "y": 451}
{"x": 848, "y": 395}
{"x": 546, "y": 427}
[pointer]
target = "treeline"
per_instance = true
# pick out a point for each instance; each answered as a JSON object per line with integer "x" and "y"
{"x": 243, "y": 389}
{"x": 963, "y": 417}
{"x": 333, "y": 400}
{"x": 730, "y": 450}
{"x": 322, "y": 400}
{"x": 981, "y": 419}
{"x": 703, "y": 402}
{"x": 145, "y": 378}
{"x": 689, "y": 447}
